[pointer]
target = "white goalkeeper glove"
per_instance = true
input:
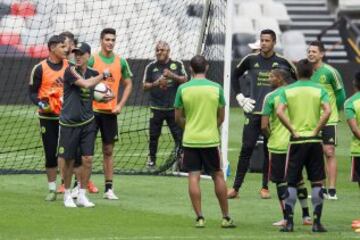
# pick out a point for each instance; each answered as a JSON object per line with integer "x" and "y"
{"x": 247, "y": 104}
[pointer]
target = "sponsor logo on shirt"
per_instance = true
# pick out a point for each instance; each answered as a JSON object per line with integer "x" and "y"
{"x": 256, "y": 65}
{"x": 155, "y": 70}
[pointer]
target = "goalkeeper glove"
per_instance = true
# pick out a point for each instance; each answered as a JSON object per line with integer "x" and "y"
{"x": 247, "y": 104}
{"x": 44, "y": 106}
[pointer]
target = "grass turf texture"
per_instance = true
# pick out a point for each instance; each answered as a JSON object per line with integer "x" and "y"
{"x": 152, "y": 207}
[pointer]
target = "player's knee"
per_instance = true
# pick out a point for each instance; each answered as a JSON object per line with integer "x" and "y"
{"x": 302, "y": 193}
{"x": 329, "y": 151}
{"x": 86, "y": 161}
{"x": 282, "y": 191}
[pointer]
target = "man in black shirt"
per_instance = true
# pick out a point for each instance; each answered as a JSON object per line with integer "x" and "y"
{"x": 258, "y": 67}
{"x": 162, "y": 78}
{"x": 77, "y": 127}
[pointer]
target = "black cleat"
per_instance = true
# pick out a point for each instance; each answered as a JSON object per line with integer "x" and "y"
{"x": 289, "y": 227}
{"x": 318, "y": 227}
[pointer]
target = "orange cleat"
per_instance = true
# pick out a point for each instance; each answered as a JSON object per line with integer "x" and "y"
{"x": 61, "y": 189}
{"x": 92, "y": 188}
{"x": 355, "y": 225}
{"x": 356, "y": 221}
{"x": 265, "y": 193}
{"x": 232, "y": 193}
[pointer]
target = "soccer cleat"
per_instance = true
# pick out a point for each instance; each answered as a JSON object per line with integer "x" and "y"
{"x": 307, "y": 221}
{"x": 265, "y": 193}
{"x": 83, "y": 201}
{"x": 69, "y": 202}
{"x": 289, "y": 227}
{"x": 110, "y": 195}
{"x": 200, "y": 222}
{"x": 355, "y": 225}
{"x": 61, "y": 189}
{"x": 150, "y": 162}
{"x": 227, "y": 223}
{"x": 332, "y": 197}
{"x": 356, "y": 221}
{"x": 280, "y": 223}
{"x": 51, "y": 196}
{"x": 317, "y": 227}
{"x": 75, "y": 192}
{"x": 92, "y": 188}
{"x": 357, "y": 230}
{"x": 232, "y": 193}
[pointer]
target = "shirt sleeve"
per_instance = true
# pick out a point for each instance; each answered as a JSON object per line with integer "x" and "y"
{"x": 91, "y": 61}
{"x": 125, "y": 69}
{"x": 147, "y": 73}
{"x": 324, "y": 96}
{"x": 70, "y": 75}
{"x": 349, "y": 110}
{"x": 178, "y": 99}
{"x": 35, "y": 83}
{"x": 240, "y": 69}
{"x": 267, "y": 106}
{"x": 222, "y": 102}
{"x": 181, "y": 70}
{"x": 336, "y": 80}
{"x": 283, "y": 98}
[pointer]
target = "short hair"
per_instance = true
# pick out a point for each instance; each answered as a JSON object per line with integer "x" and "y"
{"x": 69, "y": 35}
{"x": 107, "y": 31}
{"x": 55, "y": 40}
{"x": 270, "y": 32}
{"x": 163, "y": 43}
{"x": 318, "y": 44}
{"x": 198, "y": 64}
{"x": 284, "y": 73}
{"x": 305, "y": 69}
{"x": 357, "y": 80}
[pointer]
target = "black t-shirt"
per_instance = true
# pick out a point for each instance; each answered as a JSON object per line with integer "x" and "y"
{"x": 258, "y": 69}
{"x": 77, "y": 107}
{"x": 161, "y": 98}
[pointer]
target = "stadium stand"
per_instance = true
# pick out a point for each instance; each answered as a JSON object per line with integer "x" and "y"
{"x": 294, "y": 45}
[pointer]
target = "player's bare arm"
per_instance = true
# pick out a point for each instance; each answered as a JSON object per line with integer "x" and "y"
{"x": 180, "y": 117}
{"x": 323, "y": 118}
{"x": 220, "y": 116}
{"x": 265, "y": 126}
{"x": 280, "y": 112}
{"x": 127, "y": 83}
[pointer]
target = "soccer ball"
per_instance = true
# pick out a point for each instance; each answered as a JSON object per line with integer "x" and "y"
{"x": 100, "y": 90}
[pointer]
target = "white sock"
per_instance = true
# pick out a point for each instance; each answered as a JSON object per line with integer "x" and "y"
{"x": 52, "y": 186}
{"x": 67, "y": 193}
{"x": 82, "y": 192}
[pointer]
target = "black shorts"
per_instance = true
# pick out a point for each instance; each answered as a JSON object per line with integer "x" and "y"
{"x": 310, "y": 155}
{"x": 198, "y": 159}
{"x": 49, "y": 134}
{"x": 277, "y": 163}
{"x": 107, "y": 123}
{"x": 355, "y": 169}
{"x": 74, "y": 139}
{"x": 328, "y": 135}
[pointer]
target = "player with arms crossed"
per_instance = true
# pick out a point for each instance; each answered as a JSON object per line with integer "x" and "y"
{"x": 77, "y": 126}
{"x": 199, "y": 110}
{"x": 162, "y": 78}
{"x": 258, "y": 67}
{"x": 308, "y": 109}
{"x": 330, "y": 79}
{"x": 46, "y": 91}
{"x": 278, "y": 142}
{"x": 106, "y": 113}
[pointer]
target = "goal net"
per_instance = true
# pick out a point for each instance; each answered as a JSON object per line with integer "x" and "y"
{"x": 189, "y": 26}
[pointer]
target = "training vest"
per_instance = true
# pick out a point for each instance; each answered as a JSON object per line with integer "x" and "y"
{"x": 112, "y": 82}
{"x": 52, "y": 85}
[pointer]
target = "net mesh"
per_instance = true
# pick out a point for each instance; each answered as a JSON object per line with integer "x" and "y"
{"x": 25, "y": 28}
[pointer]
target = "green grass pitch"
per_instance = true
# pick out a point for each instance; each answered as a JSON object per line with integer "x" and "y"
{"x": 158, "y": 207}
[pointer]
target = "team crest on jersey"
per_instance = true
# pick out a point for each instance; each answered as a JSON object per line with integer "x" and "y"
{"x": 322, "y": 79}
{"x": 155, "y": 70}
{"x": 61, "y": 150}
{"x": 256, "y": 65}
{"x": 173, "y": 66}
{"x": 275, "y": 64}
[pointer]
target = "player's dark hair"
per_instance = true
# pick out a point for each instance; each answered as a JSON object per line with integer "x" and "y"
{"x": 70, "y": 36}
{"x": 198, "y": 64}
{"x": 55, "y": 40}
{"x": 318, "y": 44}
{"x": 107, "y": 31}
{"x": 304, "y": 69}
{"x": 269, "y": 32}
{"x": 357, "y": 80}
{"x": 283, "y": 73}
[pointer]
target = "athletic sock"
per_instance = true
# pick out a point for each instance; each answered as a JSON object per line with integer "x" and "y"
{"x": 82, "y": 192}
{"x": 108, "y": 185}
{"x": 265, "y": 187}
{"x": 317, "y": 201}
{"x": 62, "y": 181}
{"x": 75, "y": 183}
{"x": 302, "y": 195}
{"x": 52, "y": 186}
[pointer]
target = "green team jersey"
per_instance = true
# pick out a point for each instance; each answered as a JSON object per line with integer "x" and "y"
{"x": 278, "y": 141}
{"x": 330, "y": 79}
{"x": 125, "y": 69}
{"x": 304, "y": 99}
{"x": 200, "y": 100}
{"x": 352, "y": 111}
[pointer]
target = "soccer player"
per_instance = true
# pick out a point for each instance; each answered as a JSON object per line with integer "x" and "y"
{"x": 331, "y": 81}
{"x": 46, "y": 91}
{"x": 162, "y": 78}
{"x": 352, "y": 112}
{"x": 258, "y": 67}
{"x": 106, "y": 113}
{"x": 77, "y": 126}
{"x": 308, "y": 109}
{"x": 278, "y": 141}
{"x": 199, "y": 110}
